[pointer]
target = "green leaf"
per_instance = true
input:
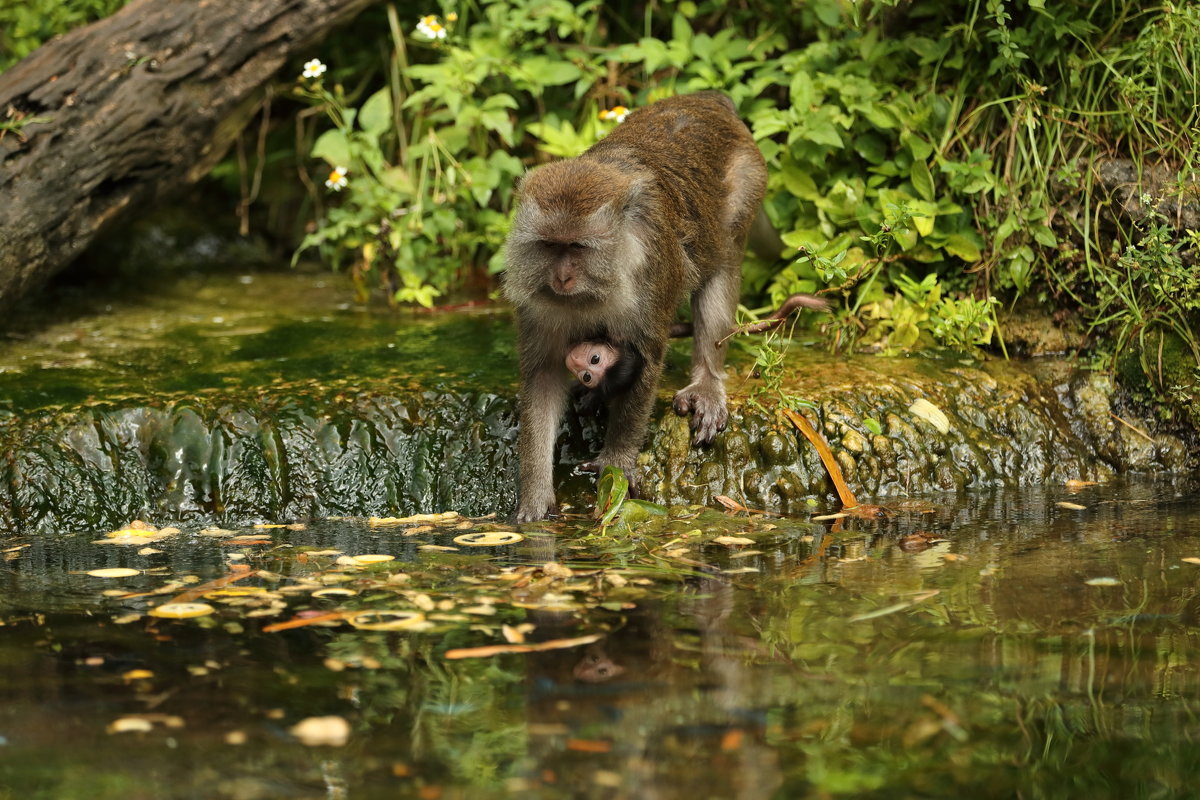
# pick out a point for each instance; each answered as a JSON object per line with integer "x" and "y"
{"x": 610, "y": 494}
{"x": 820, "y": 130}
{"x": 375, "y": 117}
{"x": 920, "y": 149}
{"x": 922, "y": 180}
{"x": 870, "y": 148}
{"x": 965, "y": 245}
{"x": 799, "y": 182}
{"x": 333, "y": 148}
{"x": 548, "y": 72}
{"x": 1044, "y": 236}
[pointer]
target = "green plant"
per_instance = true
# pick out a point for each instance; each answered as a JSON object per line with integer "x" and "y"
{"x": 926, "y": 157}
{"x": 24, "y": 26}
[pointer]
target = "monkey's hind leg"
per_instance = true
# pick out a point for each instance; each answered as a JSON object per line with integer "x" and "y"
{"x": 713, "y": 307}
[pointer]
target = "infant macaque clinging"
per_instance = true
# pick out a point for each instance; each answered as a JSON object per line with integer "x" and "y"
{"x": 602, "y": 367}
{"x": 612, "y": 241}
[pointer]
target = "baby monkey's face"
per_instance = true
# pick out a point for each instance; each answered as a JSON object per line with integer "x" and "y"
{"x": 588, "y": 361}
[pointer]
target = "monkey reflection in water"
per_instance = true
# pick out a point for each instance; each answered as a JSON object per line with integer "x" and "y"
{"x": 613, "y": 241}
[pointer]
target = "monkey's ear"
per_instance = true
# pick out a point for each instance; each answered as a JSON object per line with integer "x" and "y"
{"x": 638, "y": 199}
{"x": 519, "y": 183}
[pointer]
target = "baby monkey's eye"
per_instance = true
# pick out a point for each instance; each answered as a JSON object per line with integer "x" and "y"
{"x": 595, "y": 359}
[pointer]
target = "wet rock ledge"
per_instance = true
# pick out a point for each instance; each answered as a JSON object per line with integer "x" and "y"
{"x": 382, "y": 445}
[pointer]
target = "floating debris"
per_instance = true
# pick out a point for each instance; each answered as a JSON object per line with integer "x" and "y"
{"x": 114, "y": 572}
{"x": 321, "y": 731}
{"x": 489, "y": 538}
{"x": 181, "y": 610}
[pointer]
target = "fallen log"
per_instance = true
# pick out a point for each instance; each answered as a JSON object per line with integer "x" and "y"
{"x": 99, "y": 121}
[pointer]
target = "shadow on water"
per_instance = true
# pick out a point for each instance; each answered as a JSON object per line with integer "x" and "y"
{"x": 1015, "y": 648}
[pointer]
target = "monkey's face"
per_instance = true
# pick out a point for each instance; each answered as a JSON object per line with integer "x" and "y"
{"x": 588, "y": 361}
{"x": 572, "y": 244}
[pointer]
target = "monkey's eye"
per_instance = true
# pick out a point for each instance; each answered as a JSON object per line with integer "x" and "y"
{"x": 586, "y": 377}
{"x": 578, "y": 246}
{"x": 595, "y": 359}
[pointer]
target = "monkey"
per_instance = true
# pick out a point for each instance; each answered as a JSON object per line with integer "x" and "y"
{"x": 604, "y": 370}
{"x": 614, "y": 240}
{"x": 602, "y": 366}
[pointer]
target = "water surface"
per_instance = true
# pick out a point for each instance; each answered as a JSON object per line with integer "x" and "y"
{"x": 1036, "y": 650}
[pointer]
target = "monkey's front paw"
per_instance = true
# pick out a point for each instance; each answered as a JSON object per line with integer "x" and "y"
{"x": 536, "y": 510}
{"x": 707, "y": 407}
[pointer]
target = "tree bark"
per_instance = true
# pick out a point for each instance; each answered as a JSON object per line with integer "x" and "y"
{"x": 130, "y": 109}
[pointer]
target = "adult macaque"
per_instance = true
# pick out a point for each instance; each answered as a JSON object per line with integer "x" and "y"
{"x": 601, "y": 366}
{"x": 612, "y": 241}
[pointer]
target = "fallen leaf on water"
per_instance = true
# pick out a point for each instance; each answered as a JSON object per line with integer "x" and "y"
{"x": 868, "y": 511}
{"x": 589, "y": 745}
{"x": 237, "y": 572}
{"x": 733, "y": 540}
{"x": 371, "y": 558}
{"x": 1102, "y": 582}
{"x": 827, "y": 517}
{"x": 445, "y": 516}
{"x": 334, "y": 591}
{"x": 1191, "y": 560}
{"x": 480, "y": 610}
{"x": 921, "y": 540}
{"x": 181, "y": 610}
{"x": 537, "y": 647}
{"x": 137, "y": 675}
{"x": 321, "y": 731}
{"x": 730, "y": 503}
{"x": 114, "y": 572}
{"x": 266, "y": 525}
{"x": 1070, "y": 506}
{"x": 739, "y": 571}
{"x": 385, "y": 620}
{"x": 732, "y": 740}
{"x": 142, "y": 723}
{"x": 149, "y": 551}
{"x": 304, "y": 620}
{"x": 489, "y": 538}
{"x": 136, "y": 536}
{"x": 1074, "y": 484}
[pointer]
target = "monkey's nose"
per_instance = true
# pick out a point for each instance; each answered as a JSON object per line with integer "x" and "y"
{"x": 586, "y": 377}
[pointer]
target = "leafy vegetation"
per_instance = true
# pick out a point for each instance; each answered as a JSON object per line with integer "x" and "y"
{"x": 930, "y": 161}
{"x": 925, "y": 157}
{"x": 24, "y": 26}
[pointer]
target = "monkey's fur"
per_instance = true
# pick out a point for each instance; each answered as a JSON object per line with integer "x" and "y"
{"x": 612, "y": 241}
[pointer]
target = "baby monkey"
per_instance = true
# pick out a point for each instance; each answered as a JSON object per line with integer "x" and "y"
{"x": 605, "y": 369}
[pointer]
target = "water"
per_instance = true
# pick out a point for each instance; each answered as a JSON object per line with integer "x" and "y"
{"x": 1037, "y": 651}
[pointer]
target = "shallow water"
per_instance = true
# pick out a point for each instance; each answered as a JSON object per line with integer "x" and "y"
{"x": 835, "y": 659}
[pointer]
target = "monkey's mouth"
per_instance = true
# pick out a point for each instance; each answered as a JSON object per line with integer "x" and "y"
{"x": 575, "y": 298}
